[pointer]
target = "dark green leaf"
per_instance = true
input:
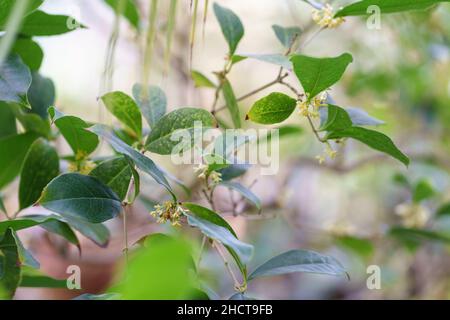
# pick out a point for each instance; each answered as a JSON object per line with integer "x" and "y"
{"x": 443, "y": 210}
{"x": 286, "y": 35}
{"x": 231, "y": 26}
{"x": 25, "y": 257}
{"x": 40, "y": 23}
{"x": 8, "y": 125}
{"x": 13, "y": 150}
{"x": 299, "y": 261}
{"x": 337, "y": 119}
{"x": 245, "y": 192}
{"x": 116, "y": 174}
{"x": 153, "y": 103}
{"x": 30, "y": 52}
{"x": 373, "y": 139}
{"x": 75, "y": 195}
{"x": 215, "y": 227}
{"x": 9, "y": 266}
{"x": 15, "y": 80}
{"x": 232, "y": 104}
{"x": 318, "y": 74}
{"x": 96, "y": 232}
{"x": 74, "y": 131}
{"x": 40, "y": 281}
{"x": 2, "y": 205}
{"x": 31, "y": 122}
{"x": 386, "y": 6}
{"x": 40, "y": 166}
{"x": 274, "y": 108}
{"x": 125, "y": 110}
{"x": 200, "y": 80}
{"x": 233, "y": 171}
{"x": 131, "y": 12}
{"x": 177, "y": 124}
{"x": 141, "y": 161}
{"x": 41, "y": 95}
{"x": 412, "y": 238}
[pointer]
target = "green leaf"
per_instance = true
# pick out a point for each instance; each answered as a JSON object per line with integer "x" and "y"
{"x": 40, "y": 281}
{"x": 200, "y": 80}
{"x": 231, "y": 26}
{"x": 96, "y": 232}
{"x": 176, "y": 125}
{"x": 274, "y": 108}
{"x": 386, "y": 6}
{"x": 299, "y": 261}
{"x": 7, "y": 121}
{"x": 40, "y": 23}
{"x": 412, "y": 237}
{"x": 232, "y": 104}
{"x": 215, "y": 227}
{"x": 116, "y": 174}
{"x": 30, "y": 52}
{"x": 153, "y": 103}
{"x": 41, "y": 95}
{"x": 15, "y": 80}
{"x": 13, "y": 150}
{"x": 374, "y": 139}
{"x": 423, "y": 190}
{"x": 233, "y": 171}
{"x": 360, "y": 246}
{"x": 337, "y": 119}
{"x": 9, "y": 267}
{"x": 245, "y": 192}
{"x": 318, "y": 74}
{"x": 141, "y": 161}
{"x": 6, "y": 7}
{"x": 240, "y": 296}
{"x": 131, "y": 12}
{"x": 276, "y": 59}
{"x": 75, "y": 195}
{"x": 31, "y": 122}
{"x": 74, "y": 131}
{"x": 443, "y": 210}
{"x": 25, "y": 257}
{"x": 40, "y": 166}
{"x": 236, "y": 58}
{"x": 286, "y": 35}
{"x": 125, "y": 110}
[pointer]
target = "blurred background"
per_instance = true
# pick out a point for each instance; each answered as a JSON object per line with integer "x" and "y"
{"x": 346, "y": 208}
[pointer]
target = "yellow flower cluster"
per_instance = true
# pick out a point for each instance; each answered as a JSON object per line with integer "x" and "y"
{"x": 325, "y": 17}
{"x": 169, "y": 211}
{"x": 216, "y": 177}
{"x": 328, "y": 152}
{"x": 413, "y": 215}
{"x": 310, "y": 108}
{"x": 83, "y": 167}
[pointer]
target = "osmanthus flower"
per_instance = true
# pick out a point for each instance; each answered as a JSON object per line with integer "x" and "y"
{"x": 169, "y": 211}
{"x": 310, "y": 108}
{"x": 413, "y": 215}
{"x": 325, "y": 17}
{"x": 327, "y": 152}
{"x": 202, "y": 169}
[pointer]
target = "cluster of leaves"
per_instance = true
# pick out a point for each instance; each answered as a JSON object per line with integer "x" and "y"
{"x": 94, "y": 190}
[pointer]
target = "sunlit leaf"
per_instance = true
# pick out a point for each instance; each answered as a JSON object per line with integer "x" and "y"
{"x": 274, "y": 108}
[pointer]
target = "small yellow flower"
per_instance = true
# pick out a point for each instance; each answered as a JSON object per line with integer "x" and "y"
{"x": 216, "y": 177}
{"x": 320, "y": 158}
{"x": 413, "y": 215}
{"x": 328, "y": 152}
{"x": 324, "y": 17}
{"x": 169, "y": 211}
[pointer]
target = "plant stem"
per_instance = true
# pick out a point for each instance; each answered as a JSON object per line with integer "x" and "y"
{"x": 148, "y": 55}
{"x": 316, "y": 133}
{"x": 202, "y": 247}
{"x": 227, "y": 265}
{"x": 126, "y": 211}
